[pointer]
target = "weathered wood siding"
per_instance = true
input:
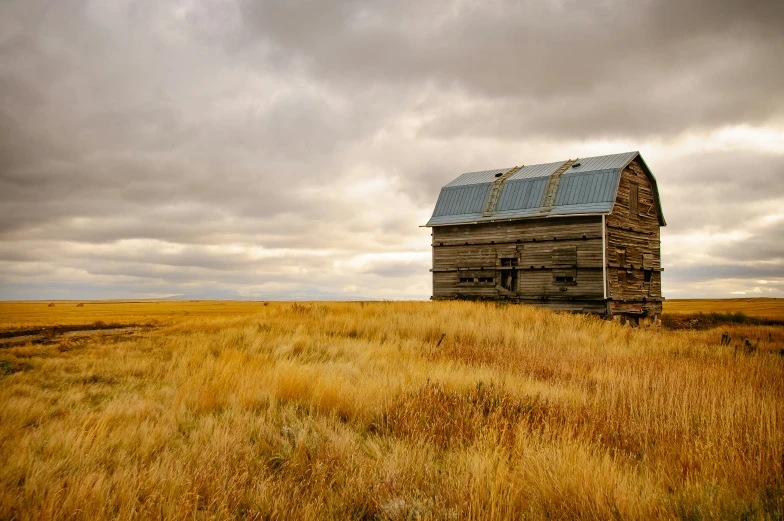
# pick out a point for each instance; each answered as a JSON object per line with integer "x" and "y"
{"x": 554, "y": 259}
{"x": 634, "y": 245}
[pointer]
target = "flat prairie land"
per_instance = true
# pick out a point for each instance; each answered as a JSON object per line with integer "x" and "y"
{"x": 68, "y": 313}
{"x": 405, "y": 410}
{"x": 771, "y": 308}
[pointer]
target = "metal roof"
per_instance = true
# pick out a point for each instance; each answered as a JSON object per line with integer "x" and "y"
{"x": 473, "y": 178}
{"x": 589, "y": 164}
{"x": 522, "y": 194}
{"x": 530, "y": 171}
{"x": 590, "y": 187}
{"x": 461, "y": 200}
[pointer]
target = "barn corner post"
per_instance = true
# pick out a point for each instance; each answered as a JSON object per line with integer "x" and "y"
{"x": 432, "y": 263}
{"x": 580, "y": 235}
{"x": 605, "y": 288}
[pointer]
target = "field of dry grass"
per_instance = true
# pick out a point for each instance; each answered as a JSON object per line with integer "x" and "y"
{"x": 772, "y": 308}
{"x": 14, "y": 315}
{"x": 355, "y": 411}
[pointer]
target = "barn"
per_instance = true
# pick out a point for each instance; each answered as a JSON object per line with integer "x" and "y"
{"x": 580, "y": 235}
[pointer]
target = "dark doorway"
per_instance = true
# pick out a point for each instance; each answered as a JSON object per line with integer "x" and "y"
{"x": 509, "y": 274}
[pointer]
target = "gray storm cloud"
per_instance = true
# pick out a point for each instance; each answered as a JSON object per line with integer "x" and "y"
{"x": 294, "y": 148}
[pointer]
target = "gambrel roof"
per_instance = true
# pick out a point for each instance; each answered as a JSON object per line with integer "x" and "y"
{"x": 589, "y": 186}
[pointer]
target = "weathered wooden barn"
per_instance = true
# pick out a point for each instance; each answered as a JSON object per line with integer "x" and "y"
{"x": 578, "y": 235}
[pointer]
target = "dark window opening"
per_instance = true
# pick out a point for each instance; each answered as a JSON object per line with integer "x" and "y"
{"x": 485, "y": 279}
{"x": 466, "y": 279}
{"x": 509, "y": 280}
{"x": 508, "y": 261}
{"x": 648, "y": 275}
{"x": 564, "y": 279}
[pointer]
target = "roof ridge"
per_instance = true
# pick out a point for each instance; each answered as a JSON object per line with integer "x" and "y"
{"x": 529, "y": 165}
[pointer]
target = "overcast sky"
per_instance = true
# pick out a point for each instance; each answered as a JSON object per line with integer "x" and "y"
{"x": 293, "y": 149}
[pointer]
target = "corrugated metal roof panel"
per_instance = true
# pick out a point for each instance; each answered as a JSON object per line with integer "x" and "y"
{"x": 518, "y": 214}
{"x": 461, "y": 200}
{"x": 455, "y": 219}
{"x": 589, "y": 164}
{"x": 522, "y": 194}
{"x": 587, "y": 187}
{"x": 472, "y": 178}
{"x": 530, "y": 171}
{"x": 578, "y": 209}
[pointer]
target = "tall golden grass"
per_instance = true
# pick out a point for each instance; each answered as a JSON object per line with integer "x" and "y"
{"x": 352, "y": 411}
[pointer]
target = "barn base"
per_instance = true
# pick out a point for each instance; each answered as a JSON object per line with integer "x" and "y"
{"x": 638, "y": 321}
{"x": 595, "y": 307}
{"x": 635, "y": 313}
{"x": 643, "y": 314}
